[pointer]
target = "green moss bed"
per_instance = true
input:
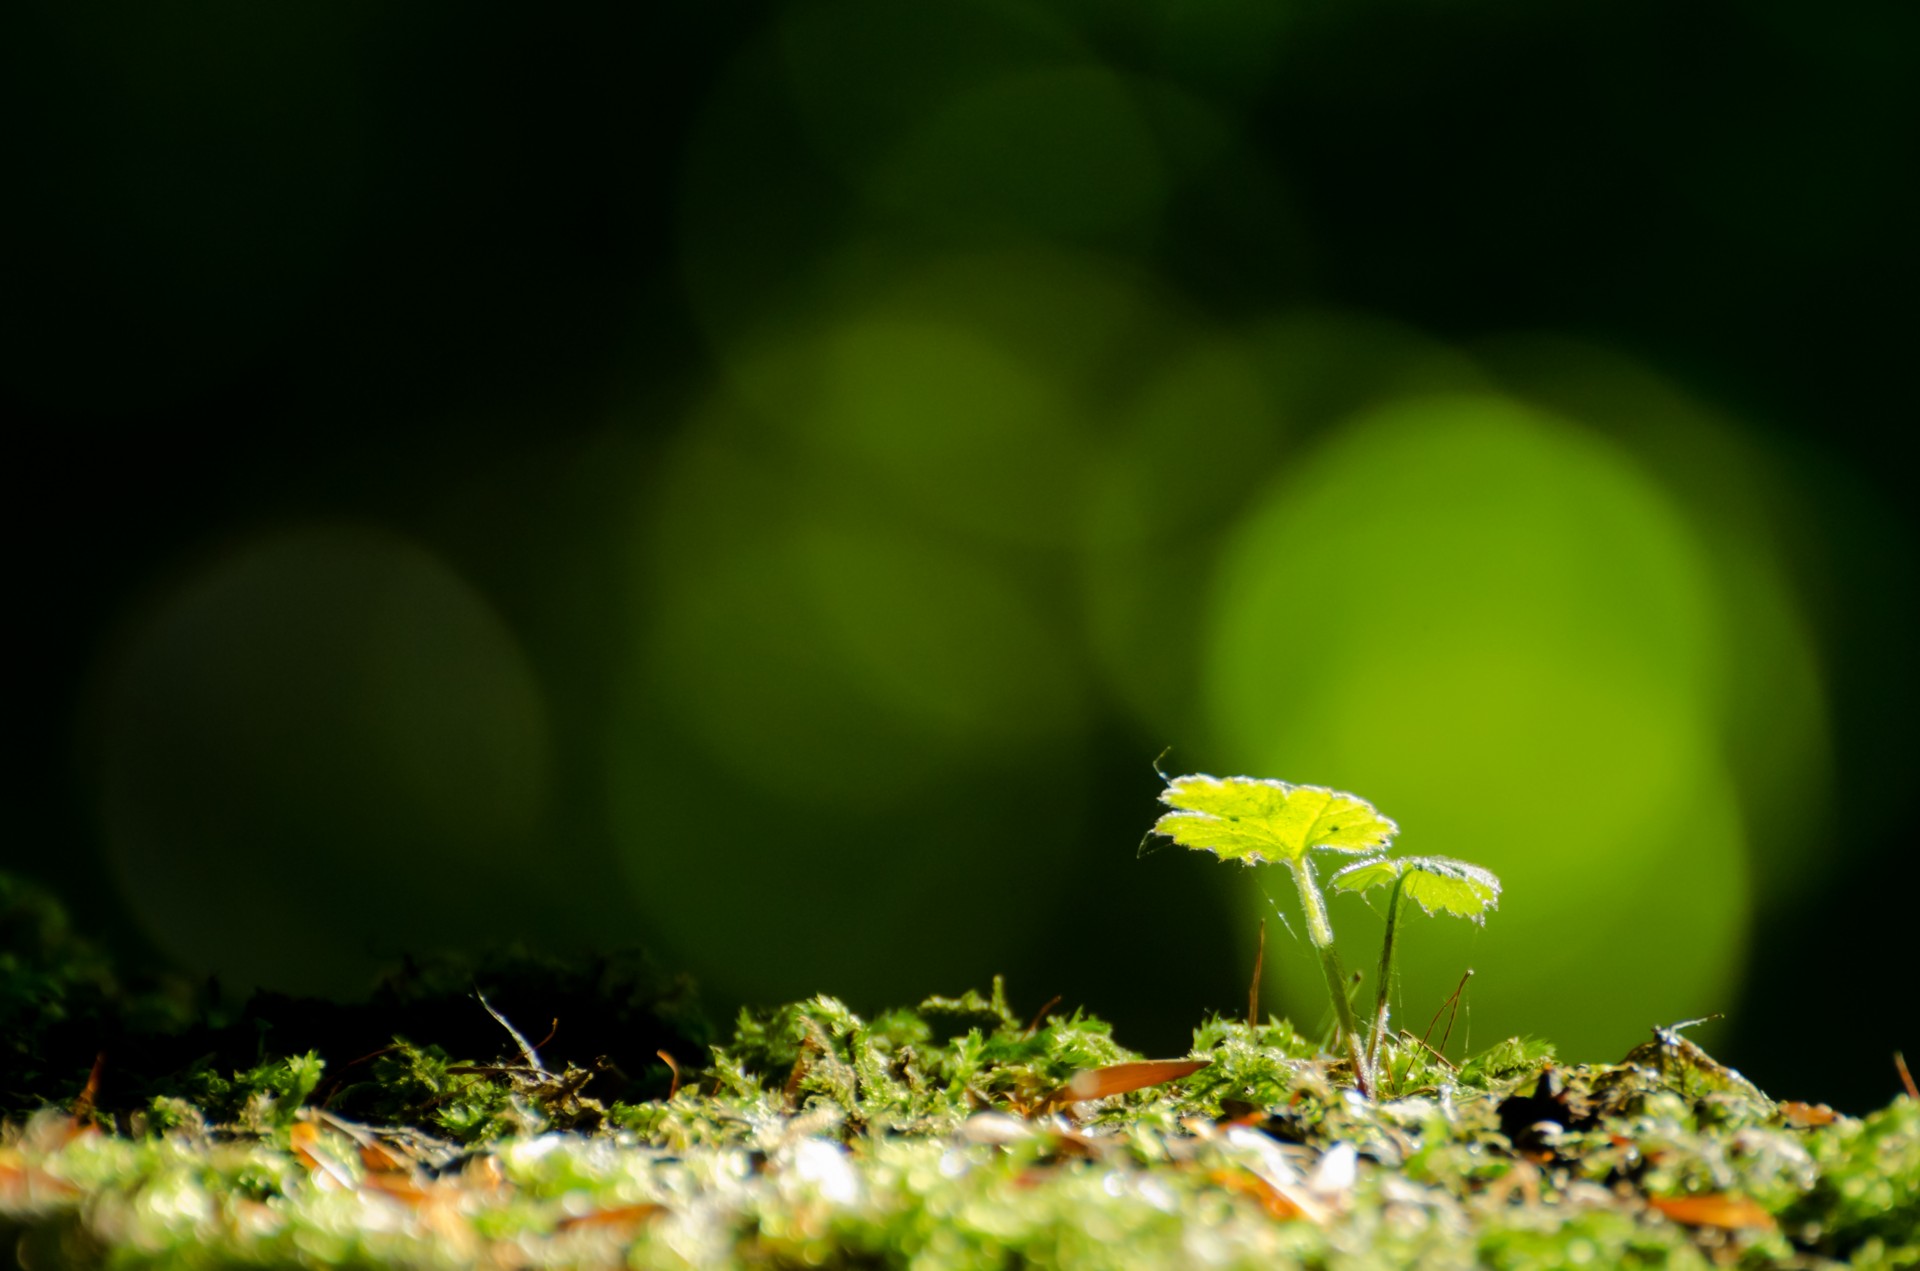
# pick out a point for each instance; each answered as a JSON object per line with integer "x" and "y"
{"x": 150, "y": 1126}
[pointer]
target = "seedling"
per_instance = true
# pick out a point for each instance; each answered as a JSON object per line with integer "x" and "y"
{"x": 1259, "y": 822}
{"x": 1438, "y": 884}
{"x": 1262, "y": 822}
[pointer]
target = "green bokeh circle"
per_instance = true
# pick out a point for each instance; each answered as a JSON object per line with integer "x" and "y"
{"x": 1492, "y": 625}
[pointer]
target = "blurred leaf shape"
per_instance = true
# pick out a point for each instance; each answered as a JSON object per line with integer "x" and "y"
{"x": 862, "y": 74}
{"x": 321, "y": 706}
{"x": 1164, "y": 492}
{"x": 1055, "y": 155}
{"x": 821, "y": 644}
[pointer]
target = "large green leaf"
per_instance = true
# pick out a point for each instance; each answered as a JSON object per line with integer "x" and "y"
{"x": 1439, "y": 884}
{"x": 1258, "y": 821}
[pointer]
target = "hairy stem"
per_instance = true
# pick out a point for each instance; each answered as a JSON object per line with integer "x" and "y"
{"x": 1320, "y": 931}
{"x": 1386, "y": 974}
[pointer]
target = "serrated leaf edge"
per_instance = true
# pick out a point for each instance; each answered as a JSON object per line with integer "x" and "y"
{"x": 1188, "y": 814}
{"x": 1287, "y": 788}
{"x": 1439, "y": 867}
{"x": 1333, "y": 879}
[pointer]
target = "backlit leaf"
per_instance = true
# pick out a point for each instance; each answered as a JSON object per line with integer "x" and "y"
{"x": 1260, "y": 821}
{"x": 1364, "y": 876}
{"x": 1439, "y": 884}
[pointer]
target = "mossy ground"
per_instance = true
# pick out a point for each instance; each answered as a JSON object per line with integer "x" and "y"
{"x": 948, "y": 1135}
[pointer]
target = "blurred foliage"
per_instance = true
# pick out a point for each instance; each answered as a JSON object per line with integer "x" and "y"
{"x": 333, "y": 695}
{"x": 59, "y": 994}
{"x": 180, "y": 1055}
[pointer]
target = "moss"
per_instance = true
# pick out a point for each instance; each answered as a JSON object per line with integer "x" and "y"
{"x": 947, "y": 1136}
{"x": 159, "y": 1041}
{"x": 1864, "y": 1202}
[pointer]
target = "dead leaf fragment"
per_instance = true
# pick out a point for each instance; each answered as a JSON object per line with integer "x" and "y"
{"x": 1805, "y": 1116}
{"x": 21, "y": 1182}
{"x": 304, "y": 1139}
{"x": 483, "y": 1173}
{"x": 1277, "y": 1203}
{"x": 403, "y": 1187}
{"x": 622, "y": 1215}
{"x": 1103, "y": 1083}
{"x": 83, "y": 1104}
{"x": 380, "y": 1159}
{"x": 1728, "y": 1213}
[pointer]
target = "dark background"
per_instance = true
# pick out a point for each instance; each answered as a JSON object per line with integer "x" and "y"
{"x": 441, "y": 293}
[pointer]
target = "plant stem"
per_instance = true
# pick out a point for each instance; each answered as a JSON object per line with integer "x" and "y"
{"x": 1386, "y": 973}
{"x": 1320, "y": 931}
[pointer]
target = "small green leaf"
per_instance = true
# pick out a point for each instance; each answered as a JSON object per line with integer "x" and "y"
{"x": 1259, "y": 821}
{"x": 1439, "y": 884}
{"x": 1364, "y": 876}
